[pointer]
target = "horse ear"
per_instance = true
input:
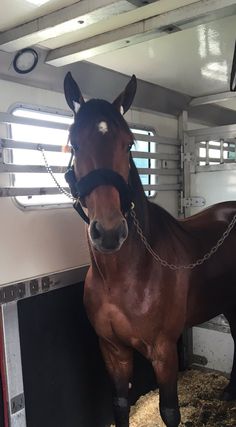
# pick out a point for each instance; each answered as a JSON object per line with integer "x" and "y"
{"x": 125, "y": 99}
{"x": 73, "y": 94}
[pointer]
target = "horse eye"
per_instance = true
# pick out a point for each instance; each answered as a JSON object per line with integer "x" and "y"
{"x": 75, "y": 147}
{"x": 130, "y": 146}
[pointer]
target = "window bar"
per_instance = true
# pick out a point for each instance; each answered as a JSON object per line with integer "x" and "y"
{"x": 6, "y": 143}
{"x": 197, "y": 152}
{"x": 221, "y": 151}
{"x": 207, "y": 153}
{"x": 149, "y": 165}
{"x": 29, "y": 192}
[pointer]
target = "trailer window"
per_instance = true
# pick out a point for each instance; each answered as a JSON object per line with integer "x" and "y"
{"x": 33, "y": 185}
{"x": 216, "y": 152}
{"x": 35, "y": 176}
{"x": 144, "y": 145}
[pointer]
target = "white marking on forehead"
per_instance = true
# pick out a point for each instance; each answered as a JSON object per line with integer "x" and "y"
{"x": 122, "y": 110}
{"x": 102, "y": 127}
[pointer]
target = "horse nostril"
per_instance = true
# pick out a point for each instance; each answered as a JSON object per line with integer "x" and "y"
{"x": 95, "y": 230}
{"x": 123, "y": 229}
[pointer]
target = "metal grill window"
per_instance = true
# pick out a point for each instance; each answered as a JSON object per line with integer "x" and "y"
{"x": 216, "y": 152}
{"x": 35, "y": 175}
{"x": 145, "y": 146}
{"x": 29, "y": 182}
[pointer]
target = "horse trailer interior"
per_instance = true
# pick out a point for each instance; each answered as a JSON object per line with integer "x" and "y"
{"x": 183, "y": 119}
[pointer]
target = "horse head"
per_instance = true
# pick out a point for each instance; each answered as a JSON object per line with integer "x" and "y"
{"x": 101, "y": 141}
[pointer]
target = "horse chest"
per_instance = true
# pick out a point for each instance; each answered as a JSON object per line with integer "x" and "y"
{"x": 116, "y": 323}
{"x": 110, "y": 321}
{"x": 133, "y": 315}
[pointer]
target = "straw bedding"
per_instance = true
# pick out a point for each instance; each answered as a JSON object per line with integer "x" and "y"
{"x": 200, "y": 405}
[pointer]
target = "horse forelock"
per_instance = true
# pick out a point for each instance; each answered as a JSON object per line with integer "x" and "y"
{"x": 98, "y": 110}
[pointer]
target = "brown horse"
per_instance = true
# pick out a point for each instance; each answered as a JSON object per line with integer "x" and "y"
{"x": 133, "y": 300}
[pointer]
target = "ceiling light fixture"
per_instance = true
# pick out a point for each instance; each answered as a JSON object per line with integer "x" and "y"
{"x": 38, "y": 2}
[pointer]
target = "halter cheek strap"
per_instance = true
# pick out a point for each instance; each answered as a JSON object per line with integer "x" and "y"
{"x": 233, "y": 72}
{"x": 82, "y": 188}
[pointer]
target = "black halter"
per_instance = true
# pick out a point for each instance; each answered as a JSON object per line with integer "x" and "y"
{"x": 233, "y": 72}
{"x": 82, "y": 188}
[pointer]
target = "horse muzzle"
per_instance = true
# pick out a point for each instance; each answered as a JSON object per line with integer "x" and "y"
{"x": 108, "y": 240}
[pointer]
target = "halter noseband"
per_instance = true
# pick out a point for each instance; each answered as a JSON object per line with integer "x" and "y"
{"x": 82, "y": 188}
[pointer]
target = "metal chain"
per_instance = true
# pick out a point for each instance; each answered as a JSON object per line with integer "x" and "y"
{"x": 49, "y": 170}
{"x": 155, "y": 255}
{"x": 191, "y": 266}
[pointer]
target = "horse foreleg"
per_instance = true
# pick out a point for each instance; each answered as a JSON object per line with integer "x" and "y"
{"x": 119, "y": 364}
{"x": 165, "y": 364}
{"x": 229, "y": 392}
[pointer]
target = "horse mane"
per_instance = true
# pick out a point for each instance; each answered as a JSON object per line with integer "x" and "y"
{"x": 135, "y": 181}
{"x": 138, "y": 196}
{"x": 145, "y": 209}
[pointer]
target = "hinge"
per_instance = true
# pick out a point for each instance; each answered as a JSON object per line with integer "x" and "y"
{"x": 185, "y": 157}
{"x": 193, "y": 202}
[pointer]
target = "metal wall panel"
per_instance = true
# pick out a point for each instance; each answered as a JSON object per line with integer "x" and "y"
{"x": 214, "y": 348}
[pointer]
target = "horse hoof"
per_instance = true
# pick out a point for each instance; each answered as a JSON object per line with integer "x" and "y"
{"x": 228, "y": 395}
{"x": 170, "y": 416}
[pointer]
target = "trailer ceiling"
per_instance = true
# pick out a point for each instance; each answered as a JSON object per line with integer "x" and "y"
{"x": 183, "y": 45}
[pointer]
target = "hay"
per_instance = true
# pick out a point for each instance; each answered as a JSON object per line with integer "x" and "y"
{"x": 200, "y": 406}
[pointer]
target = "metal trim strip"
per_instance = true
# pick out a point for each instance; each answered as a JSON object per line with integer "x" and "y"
{"x": 215, "y": 327}
{"x": 15, "y": 387}
{"x": 215, "y": 168}
{"x": 3, "y": 372}
{"x": 214, "y": 133}
{"x": 15, "y": 291}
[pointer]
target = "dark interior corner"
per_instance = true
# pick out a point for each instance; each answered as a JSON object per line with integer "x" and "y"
{"x": 65, "y": 381}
